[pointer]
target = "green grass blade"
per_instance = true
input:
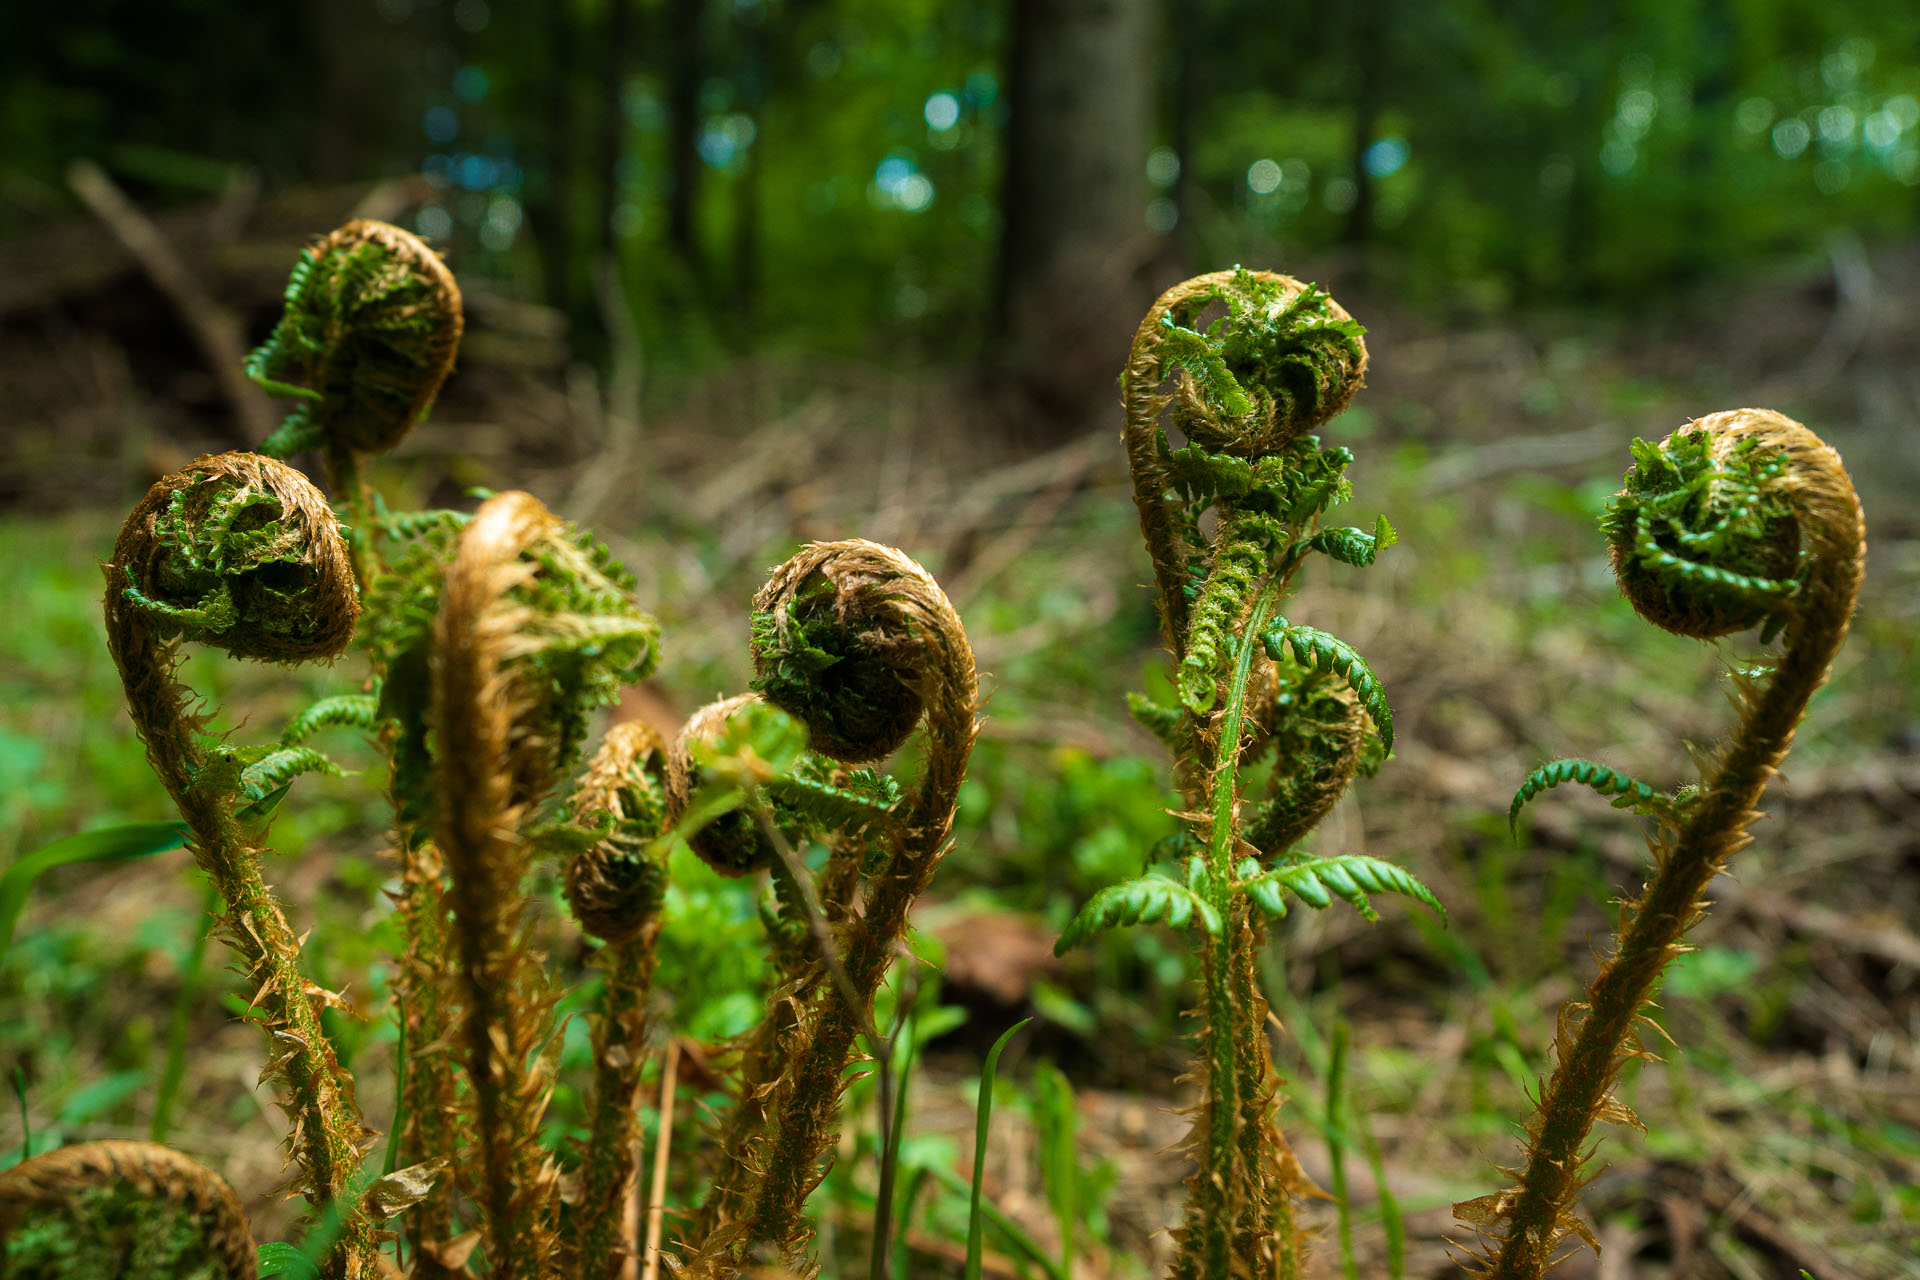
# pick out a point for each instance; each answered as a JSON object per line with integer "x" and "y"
{"x": 1337, "y": 1145}
{"x": 982, "y": 1123}
{"x": 1023, "y": 1244}
{"x": 909, "y": 1197}
{"x": 26, "y": 1127}
{"x": 108, "y": 844}
{"x": 1059, "y": 1164}
{"x": 1392, "y": 1220}
{"x": 191, "y": 977}
{"x": 883, "y": 1225}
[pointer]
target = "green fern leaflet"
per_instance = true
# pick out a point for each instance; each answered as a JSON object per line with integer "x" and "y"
{"x": 1325, "y": 653}
{"x": 1318, "y": 881}
{"x": 1628, "y": 792}
{"x": 1141, "y": 901}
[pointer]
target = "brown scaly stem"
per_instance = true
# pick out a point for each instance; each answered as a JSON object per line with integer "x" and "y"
{"x": 1267, "y": 1229}
{"x": 241, "y": 552}
{"x": 423, "y": 986}
{"x": 60, "y": 1183}
{"x": 734, "y": 845}
{"x": 487, "y": 776}
{"x": 616, "y": 889}
{"x": 1775, "y": 466}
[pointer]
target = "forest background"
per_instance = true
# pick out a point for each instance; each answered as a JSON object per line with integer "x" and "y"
{"x": 746, "y": 272}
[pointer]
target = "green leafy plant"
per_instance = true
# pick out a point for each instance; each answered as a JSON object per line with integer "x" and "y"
{"x": 493, "y": 638}
{"x": 1244, "y": 390}
{"x": 1741, "y": 519}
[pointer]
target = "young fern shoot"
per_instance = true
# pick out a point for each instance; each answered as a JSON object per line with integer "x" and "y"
{"x": 242, "y": 553}
{"x": 1740, "y": 519}
{"x": 1247, "y": 389}
{"x": 370, "y": 330}
{"x": 857, "y": 643}
{"x": 530, "y": 635}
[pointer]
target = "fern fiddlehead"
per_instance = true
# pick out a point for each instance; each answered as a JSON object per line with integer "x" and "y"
{"x": 242, "y": 553}
{"x": 856, "y": 641}
{"x": 1245, "y": 389}
{"x": 531, "y": 632}
{"x": 118, "y": 1208}
{"x": 370, "y": 330}
{"x": 616, "y": 888}
{"x": 1740, "y": 519}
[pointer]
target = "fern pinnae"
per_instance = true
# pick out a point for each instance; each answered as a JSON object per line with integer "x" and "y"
{"x": 1145, "y": 901}
{"x": 1318, "y": 881}
{"x": 279, "y": 767}
{"x": 1628, "y": 793}
{"x": 347, "y": 710}
{"x": 1315, "y": 648}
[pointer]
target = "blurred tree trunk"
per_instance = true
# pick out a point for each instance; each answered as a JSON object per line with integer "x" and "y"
{"x": 1700, "y": 251}
{"x": 1071, "y": 285}
{"x": 686, "y": 68}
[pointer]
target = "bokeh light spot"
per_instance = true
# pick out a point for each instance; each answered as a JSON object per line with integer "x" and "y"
{"x": 942, "y": 111}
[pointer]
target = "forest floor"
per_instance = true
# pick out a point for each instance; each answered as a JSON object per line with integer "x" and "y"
{"x": 1784, "y": 1133}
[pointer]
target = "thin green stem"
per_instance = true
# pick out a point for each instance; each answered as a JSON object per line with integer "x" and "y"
{"x": 1216, "y": 1220}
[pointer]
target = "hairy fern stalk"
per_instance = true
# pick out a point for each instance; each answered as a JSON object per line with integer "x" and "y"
{"x": 1741, "y": 519}
{"x": 493, "y": 639}
{"x": 1241, "y": 367}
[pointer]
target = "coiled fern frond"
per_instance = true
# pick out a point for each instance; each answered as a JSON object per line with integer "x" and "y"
{"x": 113, "y": 1208}
{"x": 242, "y": 553}
{"x": 239, "y": 552}
{"x": 1739, "y": 519}
{"x": 856, "y": 642}
{"x": 371, "y": 326}
{"x": 1703, "y": 537}
{"x": 1229, "y": 376}
{"x": 532, "y": 632}
{"x": 616, "y": 888}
